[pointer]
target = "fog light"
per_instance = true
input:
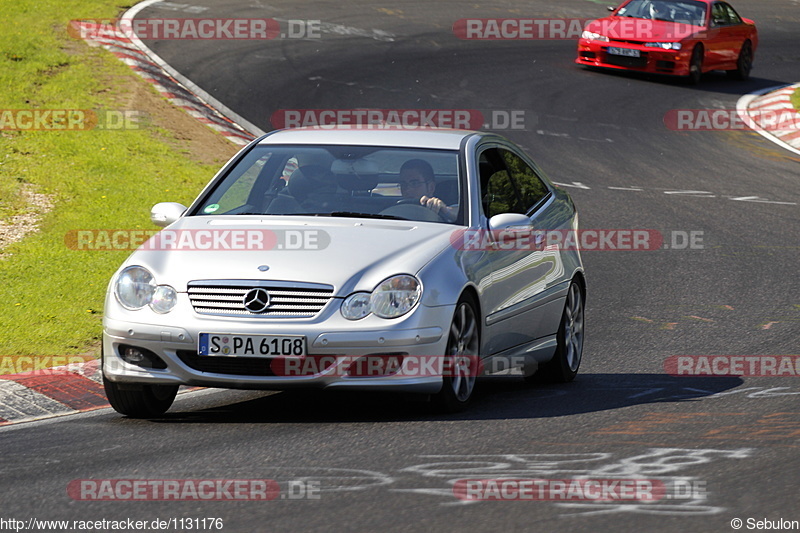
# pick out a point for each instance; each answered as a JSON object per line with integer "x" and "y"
{"x": 133, "y": 355}
{"x": 141, "y": 357}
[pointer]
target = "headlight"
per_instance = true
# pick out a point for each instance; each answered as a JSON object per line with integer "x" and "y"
{"x": 164, "y": 299}
{"x": 395, "y": 296}
{"x": 592, "y": 36}
{"x": 392, "y": 298}
{"x": 356, "y": 306}
{"x": 136, "y": 287}
{"x": 665, "y": 46}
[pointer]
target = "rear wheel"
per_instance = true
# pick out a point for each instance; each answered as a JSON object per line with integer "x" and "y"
{"x": 461, "y": 360}
{"x": 139, "y": 400}
{"x": 744, "y": 64}
{"x": 563, "y": 367}
{"x": 696, "y": 66}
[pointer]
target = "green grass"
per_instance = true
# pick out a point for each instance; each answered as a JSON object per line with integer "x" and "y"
{"x": 51, "y": 296}
{"x": 796, "y": 99}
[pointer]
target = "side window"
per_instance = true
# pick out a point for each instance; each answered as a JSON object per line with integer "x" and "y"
{"x": 733, "y": 17}
{"x": 497, "y": 190}
{"x": 719, "y": 15}
{"x": 529, "y": 186}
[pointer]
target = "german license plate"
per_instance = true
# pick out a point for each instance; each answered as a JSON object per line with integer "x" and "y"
{"x": 224, "y": 344}
{"x": 627, "y": 52}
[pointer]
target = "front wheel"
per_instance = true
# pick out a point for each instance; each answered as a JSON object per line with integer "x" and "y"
{"x": 139, "y": 401}
{"x": 744, "y": 64}
{"x": 563, "y": 367}
{"x": 696, "y": 66}
{"x": 461, "y": 362}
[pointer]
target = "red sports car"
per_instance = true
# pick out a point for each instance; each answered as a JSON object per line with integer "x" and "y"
{"x": 675, "y": 37}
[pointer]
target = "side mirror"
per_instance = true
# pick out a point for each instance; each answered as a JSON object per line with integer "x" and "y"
{"x": 165, "y": 213}
{"x": 510, "y": 222}
{"x": 611, "y": 8}
{"x": 512, "y": 231}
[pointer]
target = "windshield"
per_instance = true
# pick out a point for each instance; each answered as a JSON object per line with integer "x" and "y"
{"x": 340, "y": 181}
{"x": 679, "y": 11}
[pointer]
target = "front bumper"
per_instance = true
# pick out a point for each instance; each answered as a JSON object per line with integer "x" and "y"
{"x": 333, "y": 345}
{"x": 652, "y": 60}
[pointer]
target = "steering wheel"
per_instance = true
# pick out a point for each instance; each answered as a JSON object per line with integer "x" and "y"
{"x": 411, "y": 209}
{"x": 409, "y": 201}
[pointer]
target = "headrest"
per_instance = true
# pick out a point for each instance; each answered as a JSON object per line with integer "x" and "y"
{"x": 310, "y": 178}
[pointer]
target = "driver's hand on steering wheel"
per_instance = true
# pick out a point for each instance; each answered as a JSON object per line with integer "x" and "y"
{"x": 438, "y": 207}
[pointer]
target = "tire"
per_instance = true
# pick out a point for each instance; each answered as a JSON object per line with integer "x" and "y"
{"x": 139, "y": 400}
{"x": 462, "y": 359}
{"x": 744, "y": 64}
{"x": 563, "y": 367}
{"x": 696, "y": 66}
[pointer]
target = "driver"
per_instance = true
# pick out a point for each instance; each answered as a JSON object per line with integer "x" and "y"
{"x": 659, "y": 11}
{"x": 418, "y": 182}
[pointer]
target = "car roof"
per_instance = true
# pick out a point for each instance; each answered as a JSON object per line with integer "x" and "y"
{"x": 701, "y": 1}
{"x": 434, "y": 138}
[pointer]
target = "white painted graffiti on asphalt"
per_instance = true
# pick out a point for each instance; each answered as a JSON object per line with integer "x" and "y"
{"x": 663, "y": 464}
{"x": 438, "y": 474}
{"x": 679, "y": 192}
{"x": 663, "y": 393}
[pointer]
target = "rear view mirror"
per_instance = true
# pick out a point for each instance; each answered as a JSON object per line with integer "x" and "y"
{"x": 357, "y": 167}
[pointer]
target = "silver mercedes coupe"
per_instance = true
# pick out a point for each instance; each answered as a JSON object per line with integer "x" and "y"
{"x": 360, "y": 259}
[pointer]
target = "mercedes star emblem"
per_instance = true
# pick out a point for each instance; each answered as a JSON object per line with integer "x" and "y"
{"x": 256, "y": 300}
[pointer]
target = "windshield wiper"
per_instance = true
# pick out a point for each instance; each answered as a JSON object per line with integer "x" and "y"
{"x": 364, "y": 215}
{"x": 342, "y": 214}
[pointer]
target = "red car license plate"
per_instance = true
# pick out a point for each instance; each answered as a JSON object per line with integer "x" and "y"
{"x": 627, "y": 52}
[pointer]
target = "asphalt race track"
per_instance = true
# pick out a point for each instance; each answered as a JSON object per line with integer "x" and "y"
{"x": 726, "y": 447}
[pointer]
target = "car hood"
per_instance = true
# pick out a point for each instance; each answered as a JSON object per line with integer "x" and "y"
{"x": 633, "y": 29}
{"x": 349, "y": 254}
